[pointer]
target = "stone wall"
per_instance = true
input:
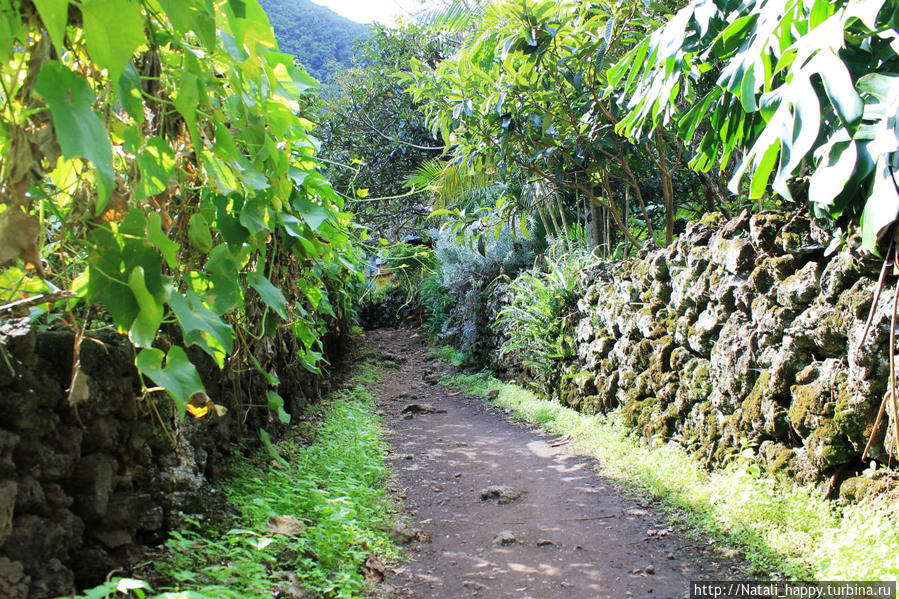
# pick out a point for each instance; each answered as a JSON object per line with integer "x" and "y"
{"x": 83, "y": 491}
{"x": 742, "y": 333}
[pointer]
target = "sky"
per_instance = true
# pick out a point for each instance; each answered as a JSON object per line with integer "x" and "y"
{"x": 368, "y": 11}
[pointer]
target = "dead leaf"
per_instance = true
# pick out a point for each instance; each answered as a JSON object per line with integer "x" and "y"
{"x": 116, "y": 208}
{"x": 20, "y": 161}
{"x": 374, "y": 569}
{"x": 200, "y": 405}
{"x": 79, "y": 391}
{"x": 18, "y": 238}
{"x": 290, "y": 526}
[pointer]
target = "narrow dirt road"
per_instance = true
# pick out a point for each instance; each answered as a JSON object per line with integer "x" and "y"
{"x": 497, "y": 511}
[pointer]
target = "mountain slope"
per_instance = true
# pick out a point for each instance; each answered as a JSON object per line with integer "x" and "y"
{"x": 320, "y": 38}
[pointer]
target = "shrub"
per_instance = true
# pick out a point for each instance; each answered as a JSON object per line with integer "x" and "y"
{"x": 456, "y": 301}
{"x": 536, "y": 324}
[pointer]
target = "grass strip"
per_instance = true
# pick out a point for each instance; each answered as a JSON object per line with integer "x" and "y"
{"x": 310, "y": 516}
{"x": 790, "y": 529}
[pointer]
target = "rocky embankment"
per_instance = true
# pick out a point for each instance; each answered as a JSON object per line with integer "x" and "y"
{"x": 744, "y": 333}
{"x": 86, "y": 488}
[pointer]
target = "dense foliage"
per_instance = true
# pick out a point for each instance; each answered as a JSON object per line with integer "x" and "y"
{"x": 322, "y": 40}
{"x": 537, "y": 324}
{"x": 374, "y": 134}
{"x": 808, "y": 88}
{"x": 160, "y": 169}
{"x": 524, "y": 99}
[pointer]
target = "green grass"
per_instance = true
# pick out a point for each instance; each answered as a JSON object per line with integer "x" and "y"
{"x": 335, "y": 486}
{"x": 779, "y": 528}
{"x": 448, "y": 354}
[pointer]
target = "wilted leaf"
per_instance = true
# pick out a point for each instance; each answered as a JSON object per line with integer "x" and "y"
{"x": 79, "y": 391}
{"x": 18, "y": 237}
{"x": 290, "y": 526}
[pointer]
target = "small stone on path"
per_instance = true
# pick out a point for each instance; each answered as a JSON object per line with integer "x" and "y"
{"x": 501, "y": 493}
{"x": 506, "y": 537}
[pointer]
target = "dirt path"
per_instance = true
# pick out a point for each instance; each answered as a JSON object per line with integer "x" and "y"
{"x": 551, "y": 527}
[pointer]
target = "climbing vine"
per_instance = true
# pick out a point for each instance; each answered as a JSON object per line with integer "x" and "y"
{"x": 156, "y": 164}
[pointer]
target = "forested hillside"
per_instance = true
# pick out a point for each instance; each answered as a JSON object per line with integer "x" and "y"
{"x": 318, "y": 37}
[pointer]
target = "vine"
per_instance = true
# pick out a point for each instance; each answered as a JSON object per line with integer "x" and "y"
{"x": 161, "y": 168}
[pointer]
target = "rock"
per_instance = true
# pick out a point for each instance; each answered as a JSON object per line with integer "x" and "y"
{"x": 8, "y": 494}
{"x": 501, "y": 493}
{"x": 114, "y": 538}
{"x": 401, "y": 534}
{"x": 125, "y": 510}
{"x": 30, "y": 498}
{"x": 650, "y": 569}
{"x": 8, "y": 443}
{"x": 799, "y": 289}
{"x": 414, "y": 409}
{"x": 544, "y": 543}
{"x": 92, "y": 483}
{"x": 506, "y": 537}
{"x": 34, "y": 540}
{"x": 14, "y": 584}
{"x": 53, "y": 579}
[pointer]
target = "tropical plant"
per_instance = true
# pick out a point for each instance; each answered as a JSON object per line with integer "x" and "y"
{"x": 537, "y": 324}
{"x": 526, "y": 94}
{"x": 158, "y": 169}
{"x": 808, "y": 88}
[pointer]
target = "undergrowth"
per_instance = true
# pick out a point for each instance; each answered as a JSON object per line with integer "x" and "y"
{"x": 328, "y": 497}
{"x": 779, "y": 528}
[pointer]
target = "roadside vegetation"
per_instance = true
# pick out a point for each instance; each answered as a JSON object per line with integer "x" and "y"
{"x": 315, "y": 514}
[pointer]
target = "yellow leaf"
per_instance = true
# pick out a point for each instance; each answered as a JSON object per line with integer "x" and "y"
{"x": 199, "y": 404}
{"x": 195, "y": 411}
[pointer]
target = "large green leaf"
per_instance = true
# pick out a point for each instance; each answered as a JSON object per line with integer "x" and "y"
{"x": 54, "y": 14}
{"x": 179, "y": 377}
{"x": 276, "y": 403}
{"x": 838, "y": 83}
{"x": 881, "y": 207}
{"x": 224, "y": 273}
{"x": 79, "y": 129}
{"x": 200, "y": 236}
{"x": 167, "y": 247}
{"x": 113, "y": 30}
{"x": 270, "y": 294}
{"x": 129, "y": 92}
{"x": 143, "y": 330}
{"x": 157, "y": 166}
{"x": 202, "y": 327}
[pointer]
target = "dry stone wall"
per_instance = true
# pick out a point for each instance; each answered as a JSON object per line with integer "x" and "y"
{"x": 84, "y": 490}
{"x": 742, "y": 333}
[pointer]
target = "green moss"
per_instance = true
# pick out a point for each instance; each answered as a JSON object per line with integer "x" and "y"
{"x": 712, "y": 219}
{"x": 805, "y": 402}
{"x": 828, "y": 446}
{"x": 782, "y": 464}
{"x": 661, "y": 354}
{"x": 641, "y": 353}
{"x": 752, "y": 405}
